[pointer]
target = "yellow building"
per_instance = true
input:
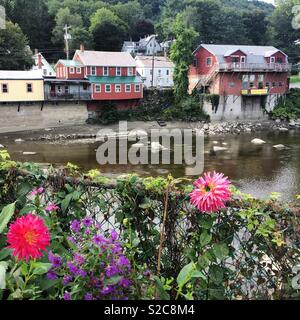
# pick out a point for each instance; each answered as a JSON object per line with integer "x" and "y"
{"x": 21, "y": 86}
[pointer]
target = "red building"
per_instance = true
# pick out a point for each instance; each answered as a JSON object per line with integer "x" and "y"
{"x": 112, "y": 76}
{"x": 248, "y": 79}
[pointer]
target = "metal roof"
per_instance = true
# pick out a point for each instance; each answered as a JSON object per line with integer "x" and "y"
{"x": 106, "y": 59}
{"x": 255, "y": 54}
{"x": 159, "y": 62}
{"x": 21, "y": 75}
{"x": 115, "y": 80}
{"x": 70, "y": 63}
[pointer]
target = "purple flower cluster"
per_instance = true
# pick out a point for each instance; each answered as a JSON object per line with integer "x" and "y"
{"x": 96, "y": 263}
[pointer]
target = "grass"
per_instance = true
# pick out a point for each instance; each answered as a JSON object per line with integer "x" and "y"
{"x": 295, "y": 79}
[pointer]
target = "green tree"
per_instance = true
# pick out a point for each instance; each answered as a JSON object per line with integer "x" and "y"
{"x": 282, "y": 32}
{"x": 108, "y": 30}
{"x": 182, "y": 56}
{"x": 15, "y": 53}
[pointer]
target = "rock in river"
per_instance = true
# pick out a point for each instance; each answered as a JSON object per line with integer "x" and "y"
{"x": 29, "y": 153}
{"x": 258, "y": 141}
{"x": 216, "y": 149}
{"x": 279, "y": 147}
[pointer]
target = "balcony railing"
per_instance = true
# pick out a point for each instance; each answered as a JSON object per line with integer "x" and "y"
{"x": 55, "y": 96}
{"x": 254, "y": 67}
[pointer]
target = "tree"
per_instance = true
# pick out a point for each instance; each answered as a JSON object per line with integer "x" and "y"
{"x": 282, "y": 31}
{"x": 14, "y": 50}
{"x": 33, "y": 18}
{"x": 108, "y": 30}
{"x": 182, "y": 56}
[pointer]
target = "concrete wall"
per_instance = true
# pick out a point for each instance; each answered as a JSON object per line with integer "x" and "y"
{"x": 31, "y": 117}
{"x": 240, "y": 108}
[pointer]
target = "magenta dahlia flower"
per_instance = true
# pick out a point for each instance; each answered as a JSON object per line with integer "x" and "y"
{"x": 28, "y": 236}
{"x": 211, "y": 193}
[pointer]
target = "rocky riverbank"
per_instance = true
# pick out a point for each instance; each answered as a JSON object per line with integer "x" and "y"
{"x": 86, "y": 132}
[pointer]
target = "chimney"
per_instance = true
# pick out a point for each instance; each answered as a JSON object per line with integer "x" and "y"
{"x": 39, "y": 63}
{"x": 82, "y": 47}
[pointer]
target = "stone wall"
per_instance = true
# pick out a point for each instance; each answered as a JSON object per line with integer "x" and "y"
{"x": 240, "y": 108}
{"x": 28, "y": 117}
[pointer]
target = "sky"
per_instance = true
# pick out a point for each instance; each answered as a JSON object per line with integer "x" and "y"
{"x": 269, "y": 1}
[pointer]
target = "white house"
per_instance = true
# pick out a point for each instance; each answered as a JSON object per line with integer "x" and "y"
{"x": 146, "y": 46}
{"x": 40, "y": 63}
{"x": 163, "y": 71}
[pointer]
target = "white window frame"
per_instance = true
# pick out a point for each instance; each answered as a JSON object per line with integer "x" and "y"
{"x": 206, "y": 62}
{"x": 126, "y": 88}
{"x": 106, "y": 91}
{"x": 243, "y": 59}
{"x": 93, "y": 71}
{"x": 118, "y": 74}
{"x": 130, "y": 71}
{"x": 272, "y": 59}
{"x": 106, "y": 74}
{"x": 120, "y": 88}
{"x": 135, "y": 87}
{"x": 72, "y": 70}
{"x": 97, "y": 88}
{"x": 78, "y": 70}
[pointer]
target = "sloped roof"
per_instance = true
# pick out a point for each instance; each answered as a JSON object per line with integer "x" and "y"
{"x": 255, "y": 54}
{"x": 21, "y": 75}
{"x": 159, "y": 62}
{"x": 70, "y": 63}
{"x": 106, "y": 59}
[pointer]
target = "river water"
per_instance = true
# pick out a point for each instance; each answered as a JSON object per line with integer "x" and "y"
{"x": 255, "y": 169}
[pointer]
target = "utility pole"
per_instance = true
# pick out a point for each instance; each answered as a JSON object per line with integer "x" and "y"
{"x": 153, "y": 57}
{"x": 67, "y": 37}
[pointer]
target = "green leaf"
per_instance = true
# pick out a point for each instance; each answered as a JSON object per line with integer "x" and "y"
{"x": 3, "y": 268}
{"x": 113, "y": 281}
{"x": 5, "y": 253}
{"x": 5, "y": 215}
{"x": 47, "y": 284}
{"x": 185, "y": 274}
{"x": 198, "y": 274}
{"x": 205, "y": 238}
{"x": 162, "y": 293}
{"x": 66, "y": 202}
{"x": 216, "y": 274}
{"x": 220, "y": 250}
{"x": 40, "y": 268}
{"x": 135, "y": 242}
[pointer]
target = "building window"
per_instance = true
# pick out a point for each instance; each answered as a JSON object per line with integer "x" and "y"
{"x": 245, "y": 81}
{"x": 274, "y": 84}
{"x": 272, "y": 60}
{"x": 260, "y": 81}
{"x": 105, "y": 71}
{"x": 45, "y": 72}
{"x": 118, "y": 71}
{"x": 279, "y": 60}
{"x": 78, "y": 70}
{"x": 195, "y": 63}
{"x": 280, "y": 84}
{"x": 243, "y": 59}
{"x": 251, "y": 80}
{"x": 4, "y": 88}
{"x": 128, "y": 88}
{"x": 97, "y": 88}
{"x": 58, "y": 89}
{"x": 137, "y": 88}
{"x": 107, "y": 88}
{"x": 93, "y": 71}
{"x": 234, "y": 59}
{"x": 66, "y": 89}
{"x": 85, "y": 86}
{"x": 231, "y": 84}
{"x": 167, "y": 72}
{"x": 29, "y": 87}
{"x": 72, "y": 70}
{"x": 159, "y": 72}
{"x": 130, "y": 71}
{"x": 118, "y": 88}
{"x": 208, "y": 61}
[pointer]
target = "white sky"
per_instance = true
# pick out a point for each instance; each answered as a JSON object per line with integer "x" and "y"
{"x": 269, "y": 1}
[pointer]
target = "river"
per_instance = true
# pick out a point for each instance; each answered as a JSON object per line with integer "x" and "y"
{"x": 255, "y": 169}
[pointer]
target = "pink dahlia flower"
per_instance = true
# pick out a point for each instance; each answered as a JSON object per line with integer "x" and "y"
{"x": 37, "y": 191}
{"x": 211, "y": 192}
{"x": 28, "y": 236}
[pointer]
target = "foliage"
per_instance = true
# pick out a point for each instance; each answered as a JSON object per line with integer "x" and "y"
{"x": 14, "y": 52}
{"x": 288, "y": 107}
{"x": 246, "y": 251}
{"x": 182, "y": 56}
